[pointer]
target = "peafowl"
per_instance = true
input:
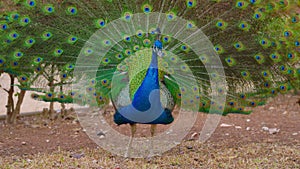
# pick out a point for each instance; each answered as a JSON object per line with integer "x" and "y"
{"x": 148, "y": 57}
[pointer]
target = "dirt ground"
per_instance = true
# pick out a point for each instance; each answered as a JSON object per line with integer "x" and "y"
{"x": 276, "y": 122}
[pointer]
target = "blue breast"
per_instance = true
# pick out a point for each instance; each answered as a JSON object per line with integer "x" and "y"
{"x": 146, "y": 100}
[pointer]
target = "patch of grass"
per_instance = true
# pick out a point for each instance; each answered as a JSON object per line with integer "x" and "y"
{"x": 207, "y": 155}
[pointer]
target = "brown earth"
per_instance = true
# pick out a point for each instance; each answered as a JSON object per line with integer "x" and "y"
{"x": 34, "y": 135}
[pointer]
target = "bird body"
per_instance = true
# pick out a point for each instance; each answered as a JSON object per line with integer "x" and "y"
{"x": 146, "y": 100}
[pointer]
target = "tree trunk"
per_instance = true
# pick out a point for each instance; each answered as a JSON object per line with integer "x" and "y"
{"x": 10, "y": 100}
{"x": 51, "y": 106}
{"x": 63, "y": 106}
{"x": 17, "y": 110}
{"x": 52, "y": 88}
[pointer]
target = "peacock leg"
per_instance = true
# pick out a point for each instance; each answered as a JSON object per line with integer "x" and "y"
{"x": 133, "y": 130}
{"x": 152, "y": 131}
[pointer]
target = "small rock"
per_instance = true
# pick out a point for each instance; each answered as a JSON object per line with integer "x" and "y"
{"x": 295, "y": 134}
{"x": 225, "y": 125}
{"x": 77, "y": 156}
{"x": 248, "y": 120}
{"x": 285, "y": 112}
{"x": 23, "y": 143}
{"x": 34, "y": 126}
{"x": 238, "y": 127}
{"x": 248, "y": 128}
{"x": 273, "y": 130}
{"x": 271, "y": 108}
{"x": 265, "y": 128}
{"x": 189, "y": 147}
{"x": 226, "y": 134}
{"x": 101, "y": 134}
{"x": 47, "y": 141}
{"x": 193, "y": 136}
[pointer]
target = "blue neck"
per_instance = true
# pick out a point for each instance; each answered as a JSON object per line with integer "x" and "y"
{"x": 141, "y": 98}
{"x": 154, "y": 62}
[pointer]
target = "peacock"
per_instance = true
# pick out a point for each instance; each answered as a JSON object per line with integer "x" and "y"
{"x": 147, "y": 58}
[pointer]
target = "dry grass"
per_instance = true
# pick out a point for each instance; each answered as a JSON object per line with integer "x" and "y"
{"x": 188, "y": 155}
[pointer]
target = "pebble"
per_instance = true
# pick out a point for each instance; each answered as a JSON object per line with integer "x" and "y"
{"x": 248, "y": 120}
{"x": 23, "y": 143}
{"x": 265, "y": 128}
{"x": 273, "y": 130}
{"x": 225, "y": 125}
{"x": 271, "y": 108}
{"x": 248, "y": 128}
{"x": 295, "y": 134}
{"x": 101, "y": 133}
{"x": 77, "y": 156}
{"x": 238, "y": 127}
{"x": 34, "y": 126}
{"x": 193, "y": 136}
{"x": 189, "y": 147}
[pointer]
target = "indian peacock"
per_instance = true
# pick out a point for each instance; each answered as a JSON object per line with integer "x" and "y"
{"x": 148, "y": 57}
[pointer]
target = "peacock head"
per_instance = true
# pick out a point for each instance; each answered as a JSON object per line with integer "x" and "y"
{"x": 158, "y": 44}
{"x": 157, "y": 48}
